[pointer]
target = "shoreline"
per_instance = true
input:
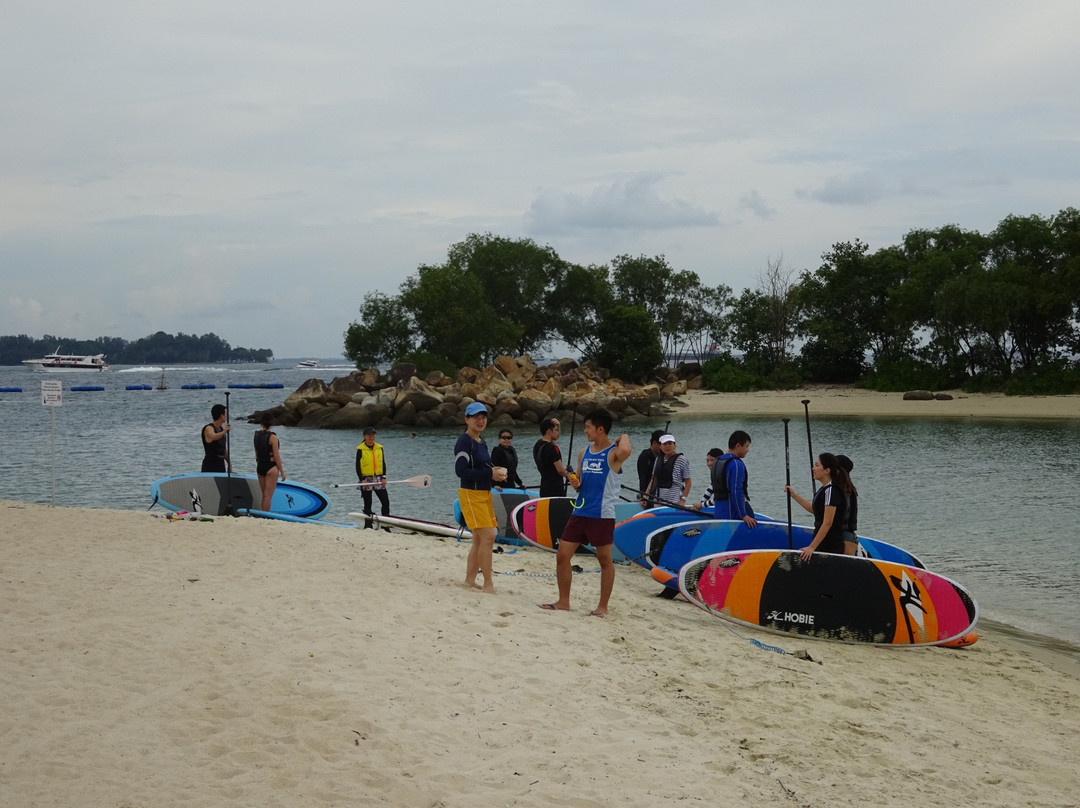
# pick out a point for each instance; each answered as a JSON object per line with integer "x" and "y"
{"x": 845, "y": 401}
{"x": 253, "y": 662}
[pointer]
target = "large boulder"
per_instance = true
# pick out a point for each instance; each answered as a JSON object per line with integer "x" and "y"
{"x": 918, "y": 395}
{"x": 351, "y": 416}
{"x": 420, "y": 394}
{"x": 401, "y": 372}
{"x": 536, "y": 401}
{"x": 313, "y": 390}
{"x": 343, "y": 388}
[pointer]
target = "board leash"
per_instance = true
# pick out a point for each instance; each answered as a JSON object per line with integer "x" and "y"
{"x": 763, "y": 646}
{"x": 544, "y": 574}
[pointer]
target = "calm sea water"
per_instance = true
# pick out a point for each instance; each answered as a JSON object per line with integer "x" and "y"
{"x": 991, "y": 504}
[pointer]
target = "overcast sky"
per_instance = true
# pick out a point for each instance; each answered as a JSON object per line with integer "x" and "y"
{"x": 252, "y": 169}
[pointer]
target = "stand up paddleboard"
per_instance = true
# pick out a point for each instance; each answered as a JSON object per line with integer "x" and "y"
{"x": 540, "y": 522}
{"x": 217, "y": 494}
{"x": 668, "y": 549}
{"x": 831, "y": 597}
{"x": 419, "y": 525}
{"x": 630, "y": 534}
{"x": 503, "y": 502}
{"x": 285, "y": 517}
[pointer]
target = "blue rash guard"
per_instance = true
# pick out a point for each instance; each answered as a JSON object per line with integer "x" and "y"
{"x": 472, "y": 463}
{"x": 730, "y": 485}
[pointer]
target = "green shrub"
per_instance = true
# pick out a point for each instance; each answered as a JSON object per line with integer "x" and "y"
{"x": 728, "y": 375}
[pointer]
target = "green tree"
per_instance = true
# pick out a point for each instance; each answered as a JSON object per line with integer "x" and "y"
{"x": 847, "y": 312}
{"x": 576, "y": 305}
{"x": 629, "y": 343}
{"x": 454, "y": 318}
{"x": 383, "y": 334}
{"x": 1025, "y": 267}
{"x": 518, "y": 277}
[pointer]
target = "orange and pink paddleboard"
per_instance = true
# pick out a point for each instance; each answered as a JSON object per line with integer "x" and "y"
{"x": 832, "y": 597}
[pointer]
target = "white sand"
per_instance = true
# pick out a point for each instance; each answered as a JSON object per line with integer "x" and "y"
{"x": 150, "y": 663}
{"x": 843, "y": 400}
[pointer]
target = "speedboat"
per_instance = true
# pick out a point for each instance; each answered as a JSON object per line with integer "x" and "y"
{"x": 308, "y": 363}
{"x": 57, "y": 361}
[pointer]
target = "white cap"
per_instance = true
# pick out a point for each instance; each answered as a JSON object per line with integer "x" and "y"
{"x": 667, "y": 438}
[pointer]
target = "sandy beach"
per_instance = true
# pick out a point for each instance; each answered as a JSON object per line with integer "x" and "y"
{"x": 245, "y": 662}
{"x": 855, "y": 402}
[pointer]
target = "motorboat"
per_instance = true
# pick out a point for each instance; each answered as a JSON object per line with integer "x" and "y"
{"x": 56, "y": 362}
{"x": 308, "y": 363}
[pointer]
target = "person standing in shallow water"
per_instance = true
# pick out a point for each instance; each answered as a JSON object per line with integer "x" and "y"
{"x": 268, "y": 463}
{"x": 472, "y": 465}
{"x": 215, "y": 442}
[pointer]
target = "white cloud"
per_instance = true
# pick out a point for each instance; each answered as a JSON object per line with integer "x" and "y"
{"x": 627, "y": 204}
{"x": 297, "y": 158}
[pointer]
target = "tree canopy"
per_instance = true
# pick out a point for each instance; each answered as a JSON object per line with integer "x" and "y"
{"x": 946, "y": 306}
{"x": 159, "y": 348}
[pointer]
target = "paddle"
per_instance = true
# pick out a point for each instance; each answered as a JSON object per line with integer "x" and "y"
{"x": 663, "y": 504}
{"x": 570, "y": 449}
{"x": 806, "y": 407}
{"x": 787, "y": 472}
{"x": 419, "y": 481}
{"x": 228, "y": 509}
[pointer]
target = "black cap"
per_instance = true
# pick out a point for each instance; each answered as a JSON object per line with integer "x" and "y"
{"x": 369, "y": 430}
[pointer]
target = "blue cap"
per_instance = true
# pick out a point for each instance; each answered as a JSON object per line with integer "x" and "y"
{"x": 475, "y": 409}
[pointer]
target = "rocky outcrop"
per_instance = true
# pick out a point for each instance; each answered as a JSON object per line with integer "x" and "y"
{"x": 516, "y": 391}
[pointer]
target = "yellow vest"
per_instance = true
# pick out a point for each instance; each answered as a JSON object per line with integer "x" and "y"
{"x": 371, "y": 460}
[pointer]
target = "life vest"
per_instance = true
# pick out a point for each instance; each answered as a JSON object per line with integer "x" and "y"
{"x": 371, "y": 460}
{"x": 719, "y": 481}
{"x": 665, "y": 470}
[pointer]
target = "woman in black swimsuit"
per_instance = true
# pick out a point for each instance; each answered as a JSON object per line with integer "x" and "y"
{"x": 268, "y": 461}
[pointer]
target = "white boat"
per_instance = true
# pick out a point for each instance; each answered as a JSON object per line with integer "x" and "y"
{"x": 57, "y": 362}
{"x": 308, "y": 363}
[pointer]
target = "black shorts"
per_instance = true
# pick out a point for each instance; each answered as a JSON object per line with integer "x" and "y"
{"x": 588, "y": 530}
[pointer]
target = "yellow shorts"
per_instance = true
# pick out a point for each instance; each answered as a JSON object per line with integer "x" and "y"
{"x": 476, "y": 508}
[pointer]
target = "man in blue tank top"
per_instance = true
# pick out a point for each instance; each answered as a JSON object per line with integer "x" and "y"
{"x": 593, "y": 522}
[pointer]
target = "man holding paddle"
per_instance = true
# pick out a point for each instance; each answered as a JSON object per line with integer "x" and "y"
{"x": 371, "y": 472}
{"x": 593, "y": 521}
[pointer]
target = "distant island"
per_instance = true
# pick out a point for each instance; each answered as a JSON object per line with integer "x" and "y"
{"x": 159, "y": 348}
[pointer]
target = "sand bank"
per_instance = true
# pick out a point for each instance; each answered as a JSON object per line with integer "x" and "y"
{"x": 241, "y": 662}
{"x": 851, "y": 401}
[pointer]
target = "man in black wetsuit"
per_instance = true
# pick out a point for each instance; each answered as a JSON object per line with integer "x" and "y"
{"x": 214, "y": 440}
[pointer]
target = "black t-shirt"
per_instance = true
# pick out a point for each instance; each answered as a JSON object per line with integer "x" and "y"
{"x": 547, "y": 454}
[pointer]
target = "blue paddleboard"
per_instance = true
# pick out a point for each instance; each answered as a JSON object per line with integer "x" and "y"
{"x": 216, "y": 493}
{"x": 668, "y": 549}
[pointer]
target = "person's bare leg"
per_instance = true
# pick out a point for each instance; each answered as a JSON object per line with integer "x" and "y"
{"x": 564, "y": 574}
{"x": 607, "y": 579}
{"x": 486, "y": 545}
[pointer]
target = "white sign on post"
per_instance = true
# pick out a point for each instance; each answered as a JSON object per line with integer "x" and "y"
{"x": 52, "y": 392}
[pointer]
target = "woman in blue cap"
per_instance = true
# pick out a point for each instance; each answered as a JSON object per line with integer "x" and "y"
{"x": 472, "y": 464}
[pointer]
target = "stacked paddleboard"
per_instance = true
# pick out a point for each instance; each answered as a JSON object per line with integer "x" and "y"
{"x": 664, "y": 551}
